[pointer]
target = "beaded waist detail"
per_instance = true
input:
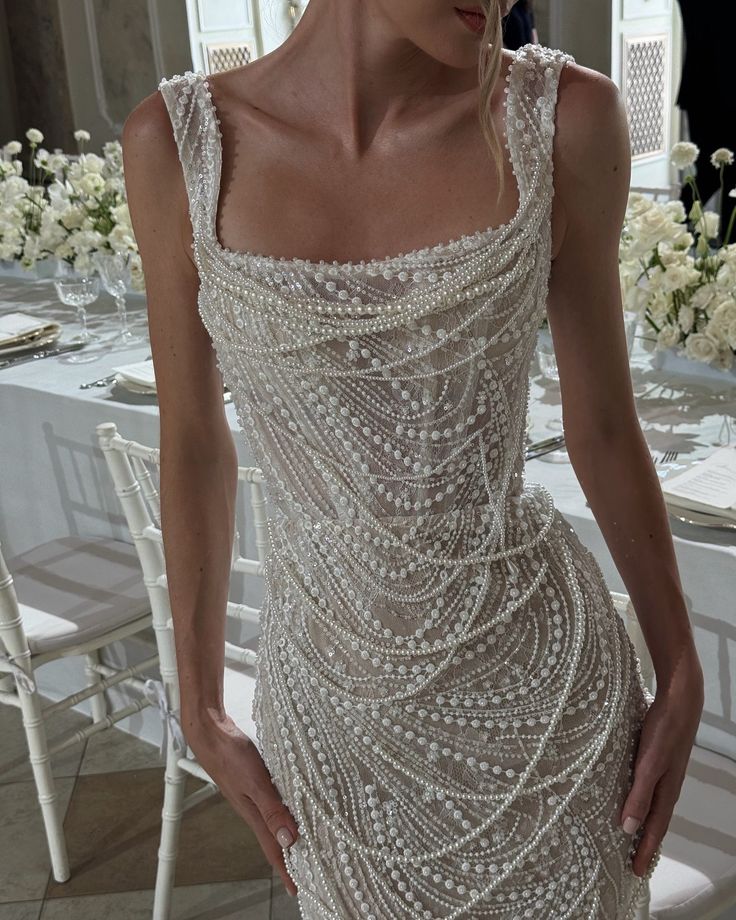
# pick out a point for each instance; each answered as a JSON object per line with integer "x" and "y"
{"x": 501, "y": 531}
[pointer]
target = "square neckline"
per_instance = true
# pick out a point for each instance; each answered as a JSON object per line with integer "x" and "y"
{"x": 480, "y": 236}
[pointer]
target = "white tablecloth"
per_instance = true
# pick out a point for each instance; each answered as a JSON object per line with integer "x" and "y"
{"x": 54, "y": 479}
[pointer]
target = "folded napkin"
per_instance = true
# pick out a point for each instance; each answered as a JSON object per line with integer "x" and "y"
{"x": 17, "y": 327}
{"x": 140, "y": 375}
{"x": 708, "y": 485}
{"x": 139, "y": 372}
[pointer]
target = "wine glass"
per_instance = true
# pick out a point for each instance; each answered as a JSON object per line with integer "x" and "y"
{"x": 113, "y": 268}
{"x": 723, "y": 438}
{"x": 79, "y": 290}
{"x": 548, "y": 366}
{"x": 631, "y": 323}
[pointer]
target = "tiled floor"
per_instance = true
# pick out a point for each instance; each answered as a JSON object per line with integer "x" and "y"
{"x": 111, "y": 790}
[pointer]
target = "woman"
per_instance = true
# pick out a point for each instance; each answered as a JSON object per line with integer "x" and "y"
{"x": 450, "y": 718}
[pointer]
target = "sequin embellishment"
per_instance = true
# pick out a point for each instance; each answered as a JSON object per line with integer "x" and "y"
{"x": 446, "y": 698}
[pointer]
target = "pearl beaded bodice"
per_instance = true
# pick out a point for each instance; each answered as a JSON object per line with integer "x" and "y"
{"x": 423, "y": 630}
{"x": 391, "y": 387}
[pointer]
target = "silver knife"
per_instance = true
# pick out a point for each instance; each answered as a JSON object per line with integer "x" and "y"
{"x": 543, "y": 447}
{"x": 44, "y": 353}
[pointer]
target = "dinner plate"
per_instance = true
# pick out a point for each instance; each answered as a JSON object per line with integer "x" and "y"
{"x": 31, "y": 342}
{"x": 134, "y": 387}
{"x": 688, "y": 516}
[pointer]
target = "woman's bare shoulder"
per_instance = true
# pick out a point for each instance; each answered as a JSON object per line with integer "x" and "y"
{"x": 592, "y": 151}
{"x": 591, "y": 157}
{"x": 591, "y": 120}
{"x": 154, "y": 180}
{"x": 148, "y": 131}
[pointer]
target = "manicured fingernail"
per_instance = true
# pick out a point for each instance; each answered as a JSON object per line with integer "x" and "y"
{"x": 630, "y": 825}
{"x": 283, "y": 835}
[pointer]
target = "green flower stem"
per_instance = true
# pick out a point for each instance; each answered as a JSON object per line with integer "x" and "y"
{"x": 651, "y": 322}
{"x": 730, "y": 227}
{"x": 691, "y": 181}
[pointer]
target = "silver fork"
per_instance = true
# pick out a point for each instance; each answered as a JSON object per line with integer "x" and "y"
{"x": 669, "y": 456}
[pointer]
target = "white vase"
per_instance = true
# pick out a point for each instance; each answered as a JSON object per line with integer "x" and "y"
{"x": 668, "y": 359}
{"x": 46, "y": 268}
{"x": 11, "y": 268}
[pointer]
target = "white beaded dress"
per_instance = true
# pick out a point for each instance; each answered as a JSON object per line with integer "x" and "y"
{"x": 446, "y": 699}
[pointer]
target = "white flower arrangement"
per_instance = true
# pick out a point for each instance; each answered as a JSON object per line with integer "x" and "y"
{"x": 68, "y": 208}
{"x": 679, "y": 279}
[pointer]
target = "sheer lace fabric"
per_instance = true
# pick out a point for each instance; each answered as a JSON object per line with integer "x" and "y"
{"x": 446, "y": 698}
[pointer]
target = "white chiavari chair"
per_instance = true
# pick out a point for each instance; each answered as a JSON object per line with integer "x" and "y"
{"x": 658, "y": 193}
{"x": 67, "y": 597}
{"x": 676, "y": 880}
{"x": 695, "y": 878}
{"x": 134, "y": 468}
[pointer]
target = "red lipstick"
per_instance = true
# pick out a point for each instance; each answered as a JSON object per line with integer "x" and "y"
{"x": 474, "y": 18}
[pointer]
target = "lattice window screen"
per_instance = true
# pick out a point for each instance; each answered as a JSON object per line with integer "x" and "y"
{"x": 225, "y": 55}
{"x": 645, "y": 61}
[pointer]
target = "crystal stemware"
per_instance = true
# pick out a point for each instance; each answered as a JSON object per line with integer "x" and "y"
{"x": 79, "y": 290}
{"x": 114, "y": 271}
{"x": 723, "y": 438}
{"x": 631, "y": 322}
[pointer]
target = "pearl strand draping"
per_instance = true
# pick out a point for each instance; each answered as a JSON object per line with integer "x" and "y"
{"x": 446, "y": 698}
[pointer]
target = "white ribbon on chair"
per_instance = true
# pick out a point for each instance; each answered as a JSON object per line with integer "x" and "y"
{"x": 25, "y": 680}
{"x": 155, "y": 693}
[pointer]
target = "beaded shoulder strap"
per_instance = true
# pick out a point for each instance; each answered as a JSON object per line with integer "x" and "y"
{"x": 532, "y": 98}
{"x": 196, "y": 131}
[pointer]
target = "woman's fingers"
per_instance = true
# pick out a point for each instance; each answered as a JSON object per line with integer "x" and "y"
{"x": 664, "y": 798}
{"x": 275, "y": 814}
{"x": 639, "y": 800}
{"x": 273, "y": 817}
{"x": 272, "y": 849}
{"x": 233, "y": 760}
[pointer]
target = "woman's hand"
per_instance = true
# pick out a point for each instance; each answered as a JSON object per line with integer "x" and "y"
{"x": 233, "y": 761}
{"x": 663, "y": 752}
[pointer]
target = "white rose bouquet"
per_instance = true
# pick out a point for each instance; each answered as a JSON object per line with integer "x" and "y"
{"x": 679, "y": 279}
{"x": 22, "y": 201}
{"x": 14, "y": 189}
{"x": 77, "y": 207}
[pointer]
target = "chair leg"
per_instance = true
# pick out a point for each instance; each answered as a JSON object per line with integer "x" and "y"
{"x": 98, "y": 701}
{"x": 35, "y": 730}
{"x": 171, "y": 815}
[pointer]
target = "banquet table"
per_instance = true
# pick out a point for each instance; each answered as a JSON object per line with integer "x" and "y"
{"x": 55, "y": 482}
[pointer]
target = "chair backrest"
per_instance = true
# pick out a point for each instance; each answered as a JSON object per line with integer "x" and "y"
{"x": 624, "y": 607}
{"x": 663, "y": 193}
{"x": 9, "y": 610}
{"x": 15, "y": 654}
{"x": 135, "y": 472}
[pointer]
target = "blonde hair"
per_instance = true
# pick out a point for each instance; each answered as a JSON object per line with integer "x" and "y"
{"x": 489, "y": 68}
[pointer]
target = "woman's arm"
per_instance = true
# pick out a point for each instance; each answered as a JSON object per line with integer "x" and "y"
{"x": 198, "y": 471}
{"x": 607, "y": 449}
{"x": 198, "y": 458}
